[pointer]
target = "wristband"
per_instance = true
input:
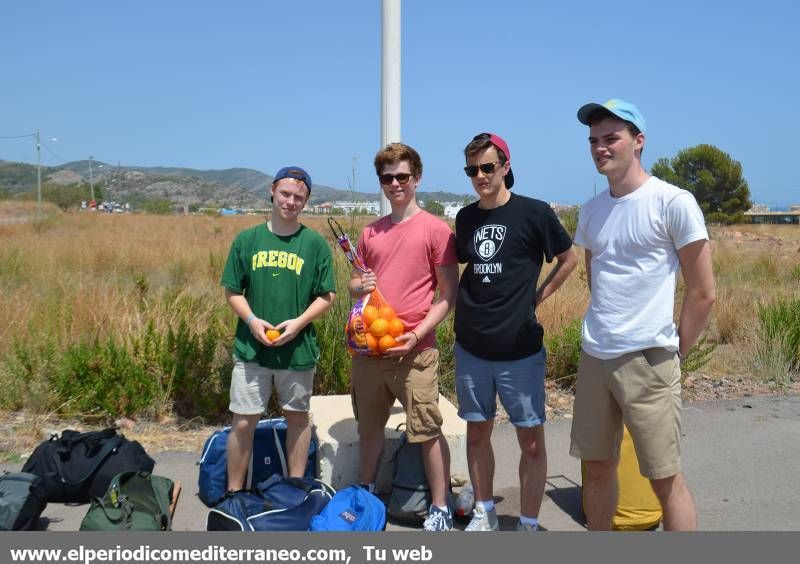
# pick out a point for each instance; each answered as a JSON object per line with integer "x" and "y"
{"x": 416, "y": 337}
{"x": 250, "y": 318}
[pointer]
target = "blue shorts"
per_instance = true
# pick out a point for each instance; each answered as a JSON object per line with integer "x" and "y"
{"x": 518, "y": 383}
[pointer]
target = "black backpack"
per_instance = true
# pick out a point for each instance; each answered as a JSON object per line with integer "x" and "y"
{"x": 79, "y": 466}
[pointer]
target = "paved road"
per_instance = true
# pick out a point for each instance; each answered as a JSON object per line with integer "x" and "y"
{"x": 741, "y": 460}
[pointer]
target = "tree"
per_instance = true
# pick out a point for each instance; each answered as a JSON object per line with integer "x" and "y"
{"x": 434, "y": 207}
{"x": 68, "y": 196}
{"x": 713, "y": 177}
{"x": 158, "y": 206}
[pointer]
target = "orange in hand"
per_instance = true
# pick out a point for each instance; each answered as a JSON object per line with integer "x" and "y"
{"x": 272, "y": 334}
{"x": 396, "y": 327}
{"x": 387, "y": 313}
{"x": 372, "y": 342}
{"x": 386, "y": 342}
{"x": 379, "y": 327}
{"x": 370, "y": 314}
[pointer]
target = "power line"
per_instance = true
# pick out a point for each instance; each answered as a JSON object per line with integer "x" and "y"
{"x": 56, "y": 155}
{"x": 17, "y": 136}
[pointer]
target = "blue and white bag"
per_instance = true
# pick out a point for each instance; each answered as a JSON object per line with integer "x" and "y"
{"x": 351, "y": 509}
{"x": 268, "y": 458}
{"x": 277, "y": 504}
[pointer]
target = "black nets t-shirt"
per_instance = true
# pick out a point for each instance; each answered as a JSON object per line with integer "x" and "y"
{"x": 504, "y": 249}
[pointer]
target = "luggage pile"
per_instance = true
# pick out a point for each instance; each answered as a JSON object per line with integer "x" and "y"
{"x": 101, "y": 467}
{"x": 271, "y": 501}
{"x": 115, "y": 476}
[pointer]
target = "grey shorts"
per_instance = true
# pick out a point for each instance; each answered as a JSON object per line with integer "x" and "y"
{"x": 251, "y": 388}
{"x": 641, "y": 388}
{"x": 518, "y": 383}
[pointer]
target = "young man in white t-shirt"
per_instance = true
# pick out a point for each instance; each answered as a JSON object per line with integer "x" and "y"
{"x": 636, "y": 236}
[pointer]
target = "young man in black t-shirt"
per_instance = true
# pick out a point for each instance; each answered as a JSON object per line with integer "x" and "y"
{"x": 504, "y": 239}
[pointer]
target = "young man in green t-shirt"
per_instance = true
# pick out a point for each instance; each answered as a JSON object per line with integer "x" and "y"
{"x": 278, "y": 277}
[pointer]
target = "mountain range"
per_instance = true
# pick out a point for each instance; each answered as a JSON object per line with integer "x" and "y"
{"x": 231, "y": 187}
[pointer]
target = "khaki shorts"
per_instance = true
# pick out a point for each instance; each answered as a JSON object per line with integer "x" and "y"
{"x": 641, "y": 388}
{"x": 251, "y": 388}
{"x": 413, "y": 380}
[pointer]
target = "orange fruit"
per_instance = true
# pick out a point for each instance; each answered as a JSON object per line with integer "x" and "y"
{"x": 370, "y": 314}
{"x": 379, "y": 327}
{"x": 396, "y": 327}
{"x": 372, "y": 342}
{"x": 386, "y": 342}
{"x": 272, "y": 334}
{"x": 387, "y": 313}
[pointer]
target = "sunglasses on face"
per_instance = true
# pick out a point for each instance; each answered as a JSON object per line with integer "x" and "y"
{"x": 485, "y": 168}
{"x": 402, "y": 178}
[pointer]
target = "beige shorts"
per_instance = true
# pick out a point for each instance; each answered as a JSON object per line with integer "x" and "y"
{"x": 641, "y": 388}
{"x": 376, "y": 382}
{"x": 251, "y": 388}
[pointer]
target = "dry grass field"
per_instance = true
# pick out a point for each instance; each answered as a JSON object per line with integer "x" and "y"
{"x": 122, "y": 315}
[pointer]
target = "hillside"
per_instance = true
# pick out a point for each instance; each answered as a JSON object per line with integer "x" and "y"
{"x": 232, "y": 187}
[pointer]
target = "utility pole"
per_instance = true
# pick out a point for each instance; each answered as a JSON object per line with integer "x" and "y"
{"x": 390, "y": 80}
{"x": 38, "y": 175}
{"x": 91, "y": 180}
{"x": 353, "y": 187}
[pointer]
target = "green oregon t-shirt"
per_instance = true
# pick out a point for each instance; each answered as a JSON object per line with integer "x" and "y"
{"x": 280, "y": 277}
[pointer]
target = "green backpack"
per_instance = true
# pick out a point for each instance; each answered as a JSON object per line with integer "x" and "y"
{"x": 134, "y": 501}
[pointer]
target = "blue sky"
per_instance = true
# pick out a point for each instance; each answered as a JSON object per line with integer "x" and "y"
{"x": 262, "y": 84}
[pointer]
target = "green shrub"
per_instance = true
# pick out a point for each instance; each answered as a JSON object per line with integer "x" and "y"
{"x": 179, "y": 370}
{"x": 103, "y": 379}
{"x": 445, "y": 342}
{"x": 333, "y": 366}
{"x": 698, "y": 356}
{"x": 569, "y": 219}
{"x": 564, "y": 353}
{"x": 777, "y": 351}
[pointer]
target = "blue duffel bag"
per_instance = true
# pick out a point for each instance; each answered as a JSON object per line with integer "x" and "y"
{"x": 351, "y": 509}
{"x": 268, "y": 458}
{"x": 277, "y": 504}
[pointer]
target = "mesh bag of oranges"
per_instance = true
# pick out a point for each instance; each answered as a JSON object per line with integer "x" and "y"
{"x": 372, "y": 325}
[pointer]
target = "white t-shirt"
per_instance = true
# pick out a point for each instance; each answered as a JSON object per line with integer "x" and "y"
{"x": 634, "y": 241}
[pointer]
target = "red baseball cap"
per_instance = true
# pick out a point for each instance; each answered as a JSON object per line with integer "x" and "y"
{"x": 498, "y": 142}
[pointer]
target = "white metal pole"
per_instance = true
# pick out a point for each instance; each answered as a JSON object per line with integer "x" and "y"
{"x": 38, "y": 175}
{"x": 390, "y": 80}
{"x": 91, "y": 180}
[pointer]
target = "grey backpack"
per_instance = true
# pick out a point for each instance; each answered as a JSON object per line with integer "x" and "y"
{"x": 411, "y": 495}
{"x": 22, "y": 500}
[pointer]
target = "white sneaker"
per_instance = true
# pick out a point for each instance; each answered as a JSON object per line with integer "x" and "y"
{"x": 438, "y": 520}
{"x": 483, "y": 521}
{"x": 524, "y": 527}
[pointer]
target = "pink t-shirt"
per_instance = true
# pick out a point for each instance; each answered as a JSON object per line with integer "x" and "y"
{"x": 404, "y": 256}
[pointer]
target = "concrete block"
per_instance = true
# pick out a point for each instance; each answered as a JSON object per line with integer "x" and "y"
{"x": 337, "y": 460}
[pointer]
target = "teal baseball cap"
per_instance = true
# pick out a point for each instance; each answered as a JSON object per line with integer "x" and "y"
{"x": 615, "y": 107}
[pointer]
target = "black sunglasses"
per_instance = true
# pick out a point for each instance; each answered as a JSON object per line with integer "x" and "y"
{"x": 485, "y": 168}
{"x": 402, "y": 178}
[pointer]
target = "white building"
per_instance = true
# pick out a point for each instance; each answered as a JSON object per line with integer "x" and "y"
{"x": 451, "y": 208}
{"x": 364, "y": 206}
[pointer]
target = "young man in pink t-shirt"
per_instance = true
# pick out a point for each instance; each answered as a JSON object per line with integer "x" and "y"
{"x": 409, "y": 253}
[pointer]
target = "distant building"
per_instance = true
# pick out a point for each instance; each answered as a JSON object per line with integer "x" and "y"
{"x": 451, "y": 208}
{"x": 761, "y": 214}
{"x": 759, "y": 208}
{"x": 364, "y": 206}
{"x": 323, "y": 208}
